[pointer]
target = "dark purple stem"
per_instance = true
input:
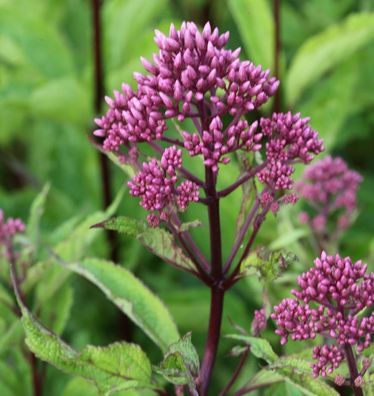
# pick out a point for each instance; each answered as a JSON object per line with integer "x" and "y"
{"x": 277, "y": 51}
{"x": 241, "y": 180}
{"x": 215, "y": 319}
{"x": 98, "y": 100}
{"x": 236, "y": 373}
{"x": 241, "y": 235}
{"x": 256, "y": 226}
{"x": 251, "y": 388}
{"x": 352, "y": 369}
{"x": 217, "y": 291}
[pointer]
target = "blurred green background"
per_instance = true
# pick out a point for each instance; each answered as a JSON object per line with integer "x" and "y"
{"x": 46, "y": 112}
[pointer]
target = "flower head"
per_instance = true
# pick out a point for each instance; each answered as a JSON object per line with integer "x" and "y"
{"x": 329, "y": 187}
{"x": 155, "y": 184}
{"x": 340, "y": 289}
{"x": 195, "y": 76}
{"x": 8, "y": 229}
{"x": 259, "y": 322}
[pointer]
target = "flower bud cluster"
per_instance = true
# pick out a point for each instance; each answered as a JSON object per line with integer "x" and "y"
{"x": 259, "y": 322}
{"x": 195, "y": 76}
{"x": 341, "y": 289}
{"x": 329, "y": 186}
{"x": 216, "y": 142}
{"x": 155, "y": 184}
{"x": 131, "y": 118}
{"x": 8, "y": 229}
{"x": 290, "y": 139}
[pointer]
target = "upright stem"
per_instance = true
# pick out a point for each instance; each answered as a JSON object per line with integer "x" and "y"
{"x": 98, "y": 100}
{"x": 215, "y": 319}
{"x": 277, "y": 50}
{"x": 352, "y": 369}
{"x": 217, "y": 292}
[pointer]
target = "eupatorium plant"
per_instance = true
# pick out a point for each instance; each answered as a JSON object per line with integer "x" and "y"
{"x": 330, "y": 189}
{"x": 195, "y": 99}
{"x": 331, "y": 301}
{"x": 194, "y": 76}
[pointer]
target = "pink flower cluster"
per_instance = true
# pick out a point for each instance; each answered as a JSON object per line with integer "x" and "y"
{"x": 329, "y": 186}
{"x": 195, "y": 76}
{"x": 155, "y": 184}
{"x": 9, "y": 228}
{"x": 259, "y": 322}
{"x": 215, "y": 142}
{"x": 290, "y": 139}
{"x": 341, "y": 289}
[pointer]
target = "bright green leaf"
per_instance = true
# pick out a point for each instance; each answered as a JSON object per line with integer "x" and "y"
{"x": 116, "y": 367}
{"x": 126, "y": 291}
{"x": 255, "y": 22}
{"x": 181, "y": 363}
{"x": 326, "y": 50}
{"x": 259, "y": 346}
{"x": 157, "y": 240}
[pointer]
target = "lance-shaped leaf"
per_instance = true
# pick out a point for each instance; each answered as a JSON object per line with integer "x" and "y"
{"x": 138, "y": 302}
{"x": 112, "y": 368}
{"x": 325, "y": 50}
{"x": 259, "y": 346}
{"x": 157, "y": 240}
{"x": 181, "y": 363}
{"x": 298, "y": 372}
{"x": 256, "y": 26}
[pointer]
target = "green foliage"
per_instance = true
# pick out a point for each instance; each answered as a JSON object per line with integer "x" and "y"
{"x": 132, "y": 297}
{"x": 326, "y": 50}
{"x": 268, "y": 264}
{"x": 255, "y": 22}
{"x": 116, "y": 367}
{"x": 181, "y": 363}
{"x": 157, "y": 240}
{"x": 259, "y": 347}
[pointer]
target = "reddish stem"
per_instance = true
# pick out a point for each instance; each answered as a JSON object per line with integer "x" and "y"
{"x": 277, "y": 51}
{"x": 236, "y": 373}
{"x": 99, "y": 89}
{"x": 352, "y": 369}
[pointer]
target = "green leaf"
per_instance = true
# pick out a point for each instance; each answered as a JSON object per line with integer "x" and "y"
{"x": 298, "y": 372}
{"x": 156, "y": 240}
{"x": 36, "y": 213}
{"x": 181, "y": 363}
{"x": 259, "y": 347}
{"x": 112, "y": 368}
{"x": 334, "y": 95}
{"x": 255, "y": 22}
{"x": 63, "y": 100}
{"x": 326, "y": 50}
{"x": 124, "y": 22}
{"x": 57, "y": 314}
{"x": 131, "y": 296}
{"x": 285, "y": 240}
{"x": 41, "y": 44}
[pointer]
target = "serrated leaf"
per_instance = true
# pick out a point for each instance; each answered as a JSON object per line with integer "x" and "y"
{"x": 255, "y": 22}
{"x": 325, "y": 50}
{"x": 112, "y": 368}
{"x": 181, "y": 363}
{"x": 260, "y": 347}
{"x": 157, "y": 240}
{"x": 298, "y": 372}
{"x": 139, "y": 303}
